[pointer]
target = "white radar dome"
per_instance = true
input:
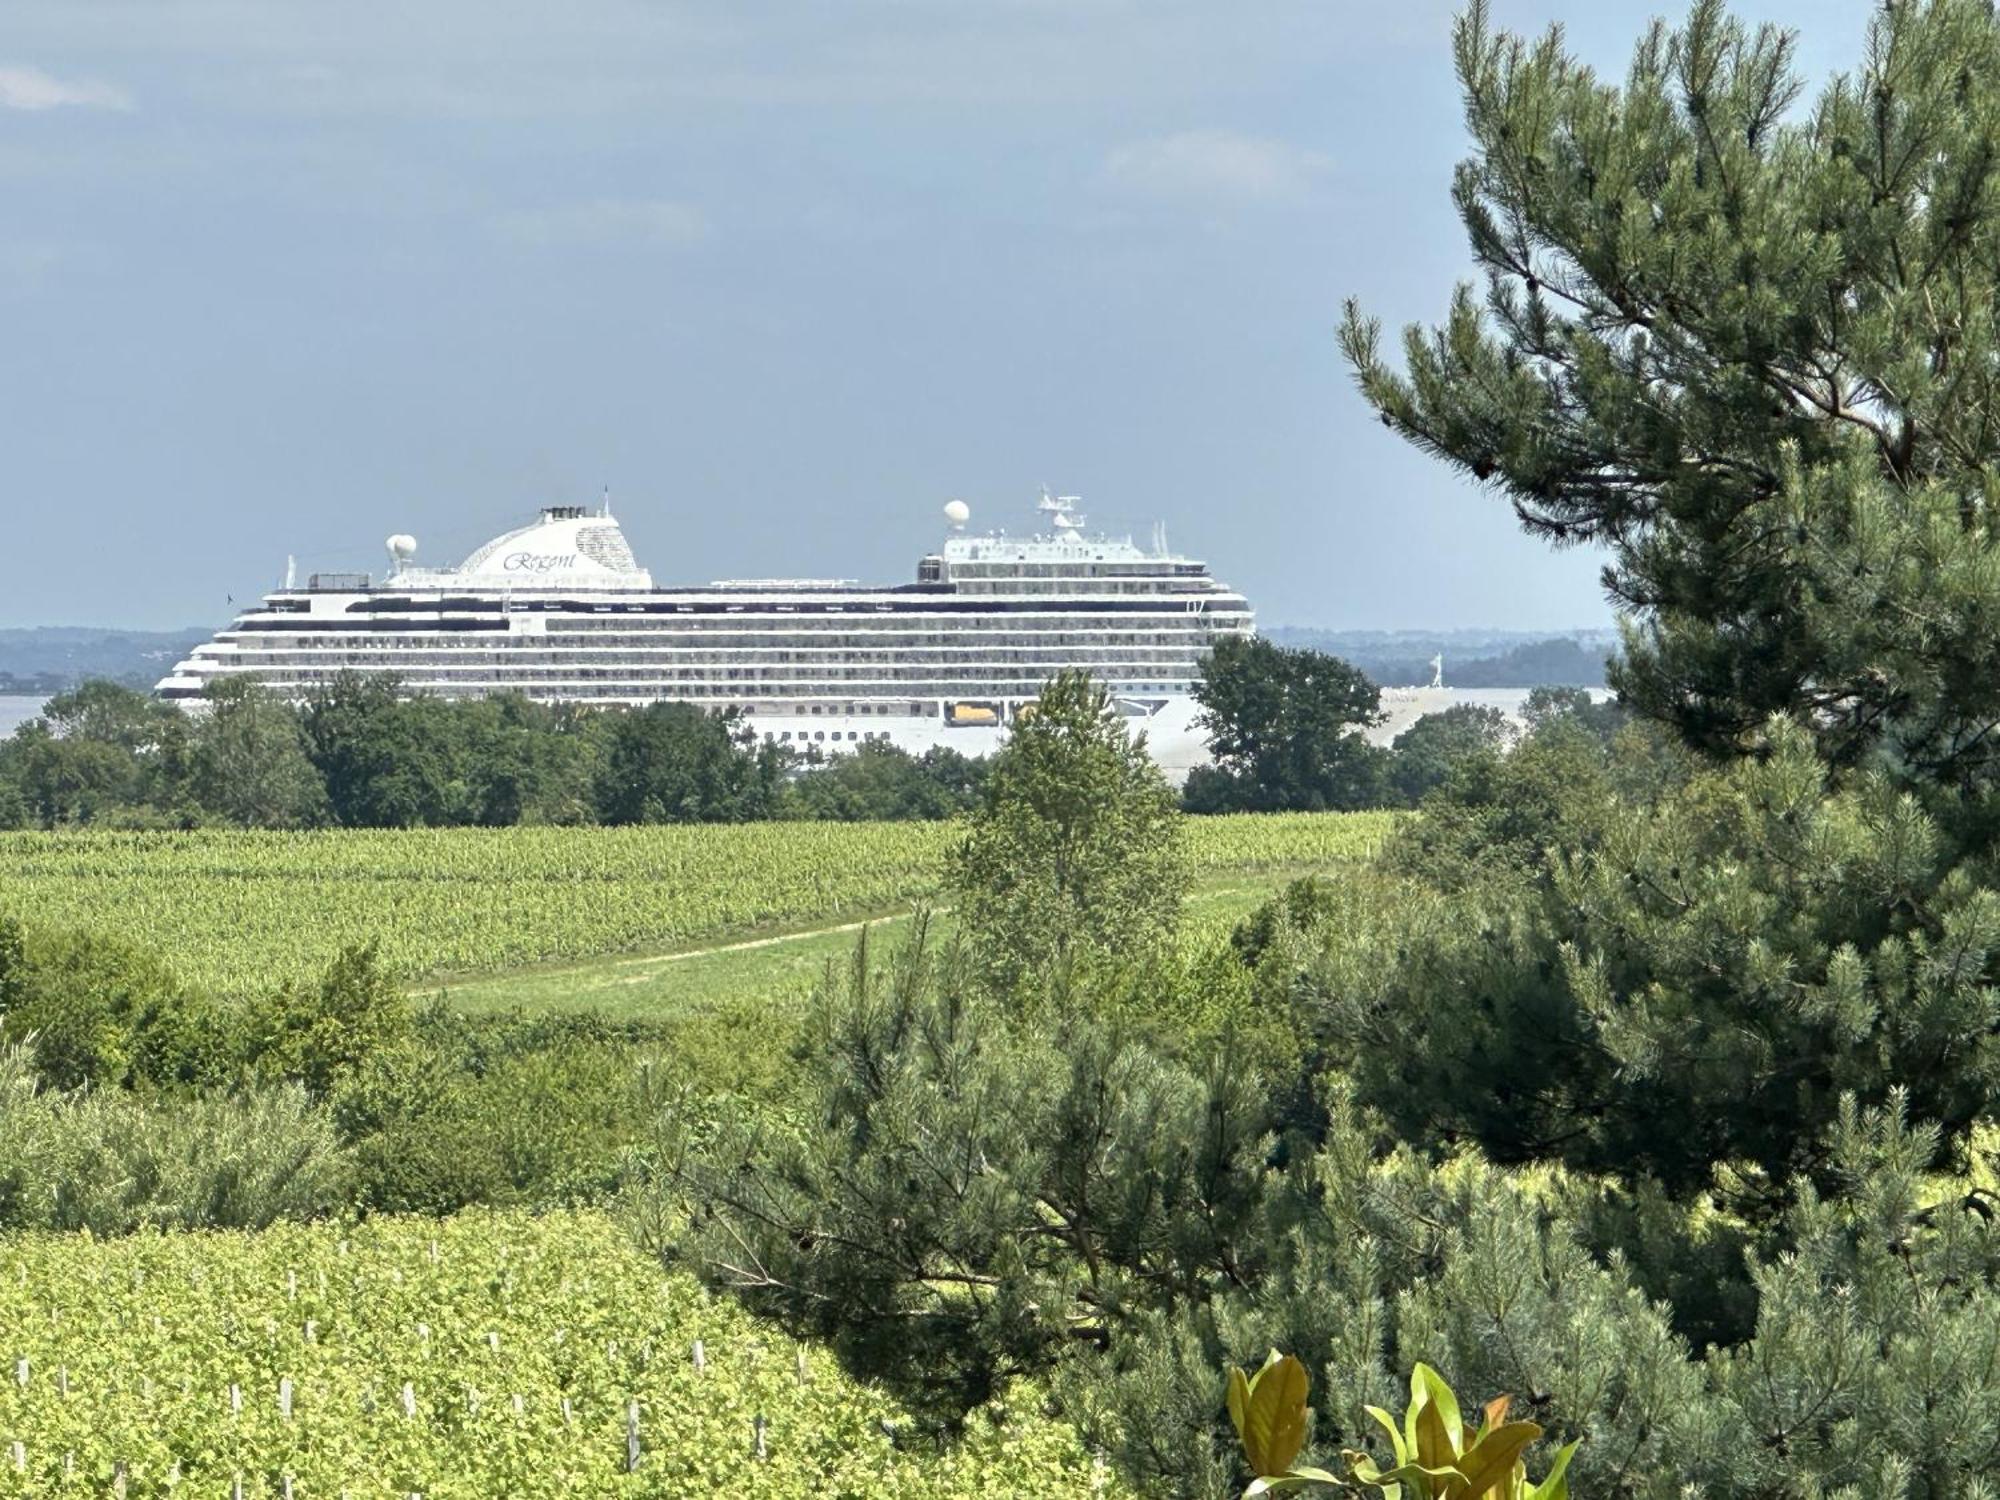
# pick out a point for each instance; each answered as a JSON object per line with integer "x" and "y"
{"x": 957, "y": 512}
{"x": 402, "y": 546}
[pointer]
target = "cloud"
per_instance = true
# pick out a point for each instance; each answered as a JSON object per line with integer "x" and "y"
{"x": 1215, "y": 164}
{"x": 31, "y": 88}
{"x": 645, "y": 223}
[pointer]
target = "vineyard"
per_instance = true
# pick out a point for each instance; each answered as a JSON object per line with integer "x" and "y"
{"x": 231, "y": 911}
{"x": 485, "y": 1355}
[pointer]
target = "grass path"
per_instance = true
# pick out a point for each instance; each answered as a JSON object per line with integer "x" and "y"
{"x": 775, "y": 965}
{"x": 766, "y": 942}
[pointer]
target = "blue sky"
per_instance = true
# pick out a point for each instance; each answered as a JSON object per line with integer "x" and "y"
{"x": 281, "y": 277}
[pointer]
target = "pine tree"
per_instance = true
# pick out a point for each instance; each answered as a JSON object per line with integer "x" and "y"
{"x": 1751, "y": 348}
{"x": 1648, "y": 1089}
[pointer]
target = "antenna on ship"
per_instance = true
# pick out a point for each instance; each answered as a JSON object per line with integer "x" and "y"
{"x": 1061, "y": 511}
{"x": 604, "y": 510}
{"x": 291, "y": 571}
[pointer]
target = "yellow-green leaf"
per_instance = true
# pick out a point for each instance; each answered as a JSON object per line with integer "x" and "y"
{"x": 1274, "y": 1416}
{"x": 1436, "y": 1442}
{"x": 1493, "y": 1458}
{"x": 1395, "y": 1434}
{"x": 1239, "y": 1399}
{"x": 1553, "y": 1486}
{"x": 1440, "y": 1394}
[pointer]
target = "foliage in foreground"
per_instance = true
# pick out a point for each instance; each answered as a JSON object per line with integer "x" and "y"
{"x": 971, "y": 1200}
{"x": 1696, "y": 979}
{"x": 486, "y": 1355}
{"x": 1438, "y": 1454}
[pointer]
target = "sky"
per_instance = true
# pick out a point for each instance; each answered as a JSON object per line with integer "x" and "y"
{"x": 281, "y": 277}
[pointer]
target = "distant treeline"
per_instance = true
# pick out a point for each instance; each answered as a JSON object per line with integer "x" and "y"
{"x": 36, "y": 685}
{"x": 362, "y": 753}
{"x": 1288, "y": 733}
{"x": 48, "y": 659}
{"x": 1472, "y": 658}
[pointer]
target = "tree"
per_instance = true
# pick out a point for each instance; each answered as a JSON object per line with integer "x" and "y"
{"x": 111, "y": 714}
{"x": 1574, "y": 705}
{"x": 1429, "y": 750}
{"x": 72, "y": 779}
{"x": 878, "y": 782}
{"x": 1074, "y": 851}
{"x": 1644, "y": 1077}
{"x": 676, "y": 763}
{"x": 249, "y": 759}
{"x": 523, "y": 762}
{"x": 101, "y": 752}
{"x": 1749, "y": 350}
{"x": 960, "y": 1206}
{"x": 387, "y": 761}
{"x": 1284, "y": 727}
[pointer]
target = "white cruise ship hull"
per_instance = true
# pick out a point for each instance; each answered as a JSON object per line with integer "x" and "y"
{"x": 559, "y": 611}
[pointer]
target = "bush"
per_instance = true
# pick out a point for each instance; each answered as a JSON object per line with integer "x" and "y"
{"x": 319, "y": 1034}
{"x": 106, "y": 1162}
{"x": 968, "y": 1201}
{"x": 93, "y": 1010}
{"x": 542, "y": 1112}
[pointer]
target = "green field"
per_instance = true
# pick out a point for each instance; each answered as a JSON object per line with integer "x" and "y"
{"x": 773, "y": 965}
{"x": 241, "y": 911}
{"x": 521, "y": 1343}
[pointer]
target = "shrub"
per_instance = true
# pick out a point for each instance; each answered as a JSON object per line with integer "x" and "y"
{"x": 110, "y": 1163}
{"x": 93, "y": 1010}
{"x": 320, "y": 1033}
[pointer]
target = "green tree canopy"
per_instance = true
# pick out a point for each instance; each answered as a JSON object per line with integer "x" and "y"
{"x": 1749, "y": 346}
{"x": 1074, "y": 851}
{"x": 677, "y": 763}
{"x": 1284, "y": 726}
{"x": 384, "y": 758}
{"x": 1429, "y": 750}
{"x": 876, "y": 781}
{"x": 249, "y": 761}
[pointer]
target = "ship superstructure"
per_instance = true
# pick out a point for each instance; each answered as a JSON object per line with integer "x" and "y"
{"x": 561, "y": 611}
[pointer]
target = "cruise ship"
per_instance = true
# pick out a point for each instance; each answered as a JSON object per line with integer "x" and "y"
{"x": 561, "y": 611}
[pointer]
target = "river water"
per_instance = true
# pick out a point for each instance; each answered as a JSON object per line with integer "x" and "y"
{"x": 14, "y": 712}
